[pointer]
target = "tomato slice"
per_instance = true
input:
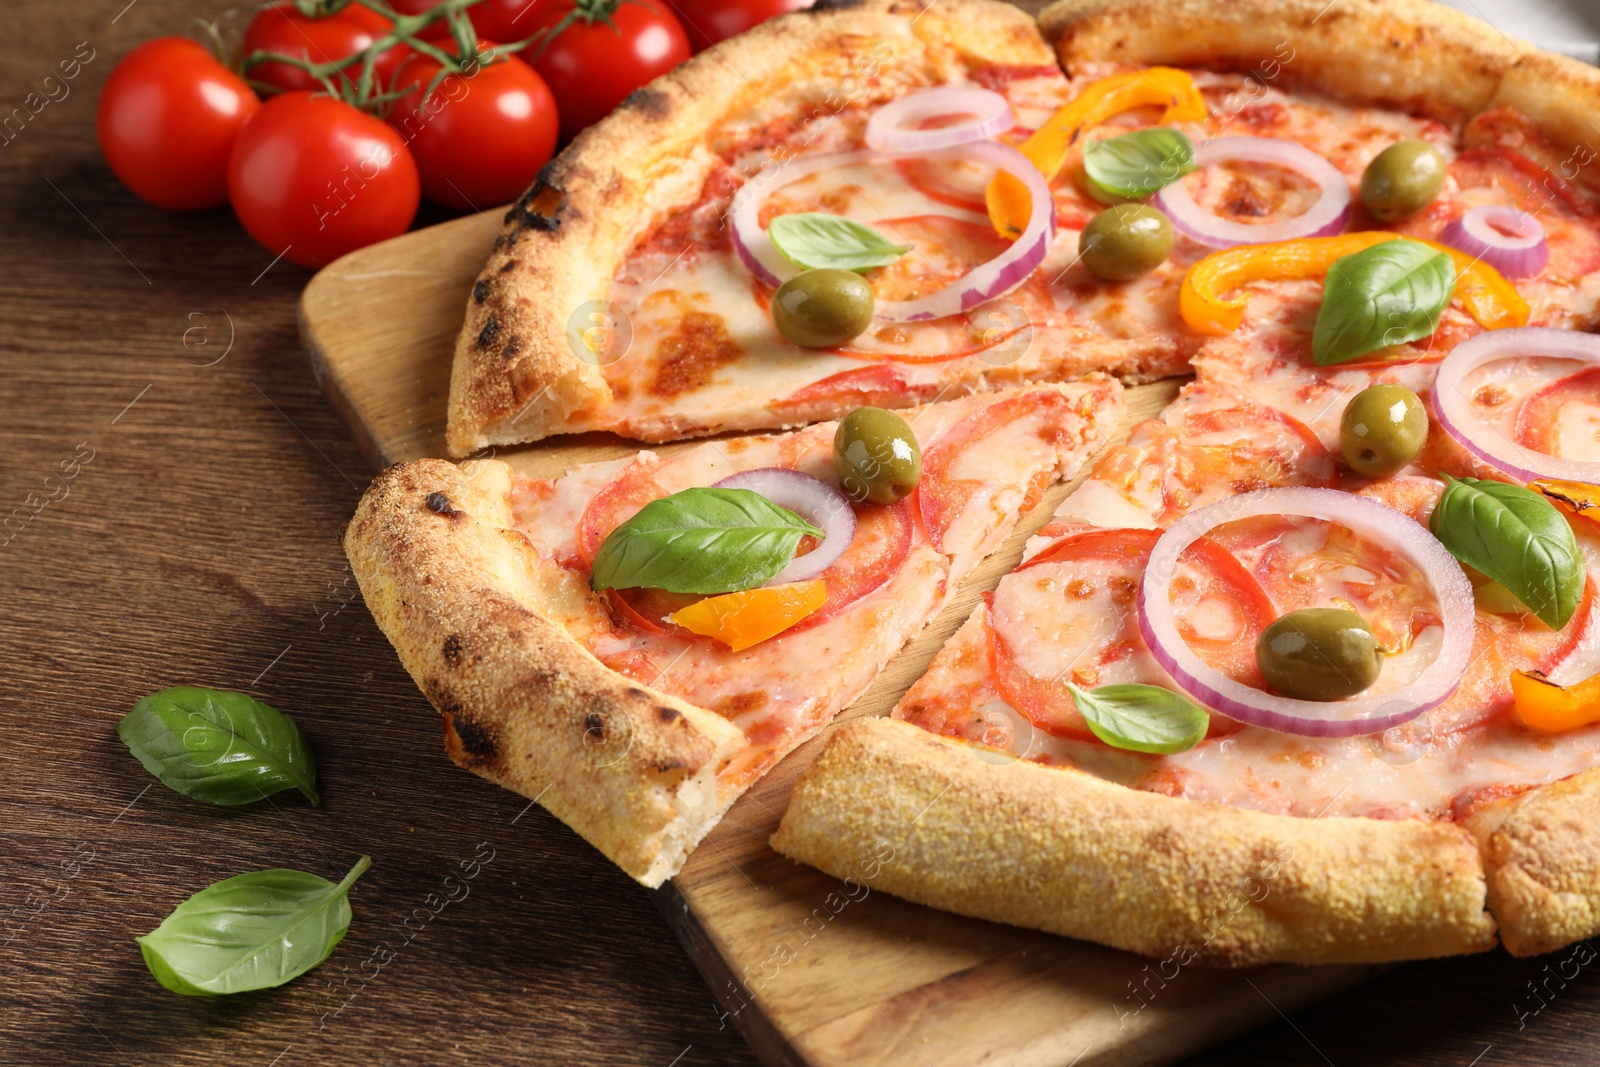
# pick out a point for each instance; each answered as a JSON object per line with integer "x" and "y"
{"x": 1563, "y": 418}
{"x": 882, "y": 543}
{"x": 880, "y": 385}
{"x": 1037, "y": 419}
{"x": 1068, "y": 614}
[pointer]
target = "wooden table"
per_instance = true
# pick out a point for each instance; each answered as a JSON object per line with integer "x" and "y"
{"x": 200, "y": 545}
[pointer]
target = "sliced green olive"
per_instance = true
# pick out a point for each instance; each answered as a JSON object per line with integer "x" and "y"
{"x": 876, "y": 456}
{"x": 1126, "y": 241}
{"x": 822, "y": 308}
{"x": 1382, "y": 429}
{"x": 1319, "y": 654}
{"x": 1402, "y": 180}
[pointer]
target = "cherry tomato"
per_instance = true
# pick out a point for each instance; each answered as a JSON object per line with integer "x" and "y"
{"x": 313, "y": 178}
{"x": 710, "y": 21}
{"x": 478, "y": 141}
{"x": 281, "y": 28}
{"x": 607, "y": 50}
{"x": 168, "y": 117}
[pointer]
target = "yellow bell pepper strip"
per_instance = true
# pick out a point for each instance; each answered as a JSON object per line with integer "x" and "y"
{"x": 1047, "y": 147}
{"x": 1544, "y": 705}
{"x": 750, "y": 617}
{"x": 1205, "y": 306}
{"x": 1574, "y": 498}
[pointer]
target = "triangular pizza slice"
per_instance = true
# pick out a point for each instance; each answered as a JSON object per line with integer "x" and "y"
{"x": 540, "y": 618}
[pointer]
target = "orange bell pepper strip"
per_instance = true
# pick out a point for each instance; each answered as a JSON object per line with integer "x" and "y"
{"x": 1544, "y": 705}
{"x": 1047, "y": 148}
{"x": 1574, "y": 498}
{"x": 1205, "y": 306}
{"x": 747, "y": 618}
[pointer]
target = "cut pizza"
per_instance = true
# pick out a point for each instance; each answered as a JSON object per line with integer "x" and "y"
{"x": 1304, "y": 671}
{"x": 634, "y": 643}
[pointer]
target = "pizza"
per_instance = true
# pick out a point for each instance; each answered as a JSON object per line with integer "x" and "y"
{"x": 1429, "y": 805}
{"x": 637, "y": 714}
{"x": 1306, "y": 669}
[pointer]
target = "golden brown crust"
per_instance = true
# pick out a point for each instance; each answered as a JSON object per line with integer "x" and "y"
{"x": 516, "y": 376}
{"x": 1542, "y": 855}
{"x": 960, "y": 828}
{"x": 458, "y": 594}
{"x": 1414, "y": 55}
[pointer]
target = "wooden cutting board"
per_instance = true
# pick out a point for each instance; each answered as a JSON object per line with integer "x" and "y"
{"x": 810, "y": 974}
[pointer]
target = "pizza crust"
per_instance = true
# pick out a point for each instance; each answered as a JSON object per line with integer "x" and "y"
{"x": 516, "y": 375}
{"x": 1412, "y": 55}
{"x": 458, "y": 593}
{"x": 1542, "y": 854}
{"x": 1059, "y": 850}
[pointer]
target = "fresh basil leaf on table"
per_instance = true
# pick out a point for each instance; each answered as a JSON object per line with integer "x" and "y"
{"x": 811, "y": 239}
{"x": 1385, "y": 295}
{"x": 700, "y": 541}
{"x": 220, "y": 747}
{"x": 251, "y": 931}
{"x": 1516, "y": 537}
{"x": 1141, "y": 718}
{"x": 1138, "y": 164}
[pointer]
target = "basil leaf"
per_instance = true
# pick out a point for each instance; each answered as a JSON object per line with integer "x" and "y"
{"x": 1137, "y": 164}
{"x": 1385, "y": 295}
{"x": 1141, "y": 718}
{"x": 811, "y": 239}
{"x": 251, "y": 931}
{"x": 700, "y": 541}
{"x": 1516, "y": 537}
{"x": 220, "y": 747}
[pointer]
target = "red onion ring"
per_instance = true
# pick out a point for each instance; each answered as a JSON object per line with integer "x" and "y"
{"x": 1453, "y": 407}
{"x": 815, "y": 501}
{"x": 887, "y": 128}
{"x": 1510, "y": 241}
{"x": 984, "y": 282}
{"x": 1312, "y": 718}
{"x": 1326, "y": 217}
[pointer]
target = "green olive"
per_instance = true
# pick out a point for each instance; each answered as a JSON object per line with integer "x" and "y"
{"x": 1382, "y": 430}
{"x": 1402, "y": 180}
{"x": 876, "y": 456}
{"x": 1319, "y": 654}
{"x": 822, "y": 308}
{"x": 1125, "y": 241}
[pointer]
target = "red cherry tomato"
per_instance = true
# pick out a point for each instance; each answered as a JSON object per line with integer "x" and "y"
{"x": 710, "y": 21}
{"x": 168, "y": 117}
{"x": 313, "y": 178}
{"x": 609, "y": 49}
{"x": 478, "y": 141}
{"x": 281, "y": 28}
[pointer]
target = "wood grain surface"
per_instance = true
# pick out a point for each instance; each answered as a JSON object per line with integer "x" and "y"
{"x": 200, "y": 545}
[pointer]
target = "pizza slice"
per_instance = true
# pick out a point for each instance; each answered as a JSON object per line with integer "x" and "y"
{"x": 634, "y": 643}
{"x": 1275, "y": 685}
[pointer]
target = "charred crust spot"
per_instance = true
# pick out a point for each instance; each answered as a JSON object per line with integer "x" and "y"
{"x": 452, "y": 650}
{"x": 490, "y": 331}
{"x": 474, "y": 740}
{"x": 480, "y": 291}
{"x": 635, "y": 693}
{"x": 666, "y": 714}
{"x": 652, "y": 103}
{"x": 512, "y": 347}
{"x": 540, "y": 207}
{"x": 440, "y": 504}
{"x": 823, "y": 6}
{"x": 508, "y": 265}
{"x": 594, "y": 728}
